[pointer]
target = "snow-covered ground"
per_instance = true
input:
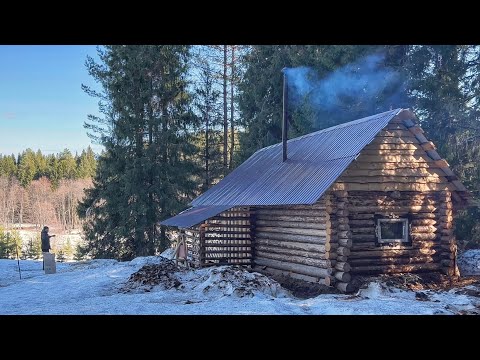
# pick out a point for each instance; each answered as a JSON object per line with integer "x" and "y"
{"x": 469, "y": 262}
{"x": 103, "y": 287}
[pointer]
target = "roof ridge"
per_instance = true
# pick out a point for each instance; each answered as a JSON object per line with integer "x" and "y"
{"x": 335, "y": 127}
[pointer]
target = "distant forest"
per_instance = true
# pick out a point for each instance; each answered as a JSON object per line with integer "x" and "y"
{"x": 44, "y": 189}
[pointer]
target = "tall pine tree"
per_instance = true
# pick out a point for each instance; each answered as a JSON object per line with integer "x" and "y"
{"x": 148, "y": 171}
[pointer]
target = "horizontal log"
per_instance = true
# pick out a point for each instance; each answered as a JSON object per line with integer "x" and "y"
{"x": 343, "y": 266}
{"x": 393, "y": 260}
{"x": 285, "y": 212}
{"x": 291, "y": 224}
{"x": 339, "y": 194}
{"x": 391, "y": 186}
{"x": 417, "y": 222}
{"x": 396, "y": 133}
{"x": 223, "y": 232}
{"x": 423, "y": 236}
{"x": 228, "y": 239}
{"x": 338, "y": 220}
{"x": 392, "y": 269}
{"x": 292, "y": 245}
{"x": 291, "y": 237}
{"x": 394, "y": 178}
{"x": 376, "y": 208}
{"x": 448, "y": 205}
{"x": 449, "y": 247}
{"x": 448, "y": 255}
{"x": 415, "y": 172}
{"x": 296, "y": 268}
{"x": 405, "y": 199}
{"x": 228, "y": 246}
{"x": 293, "y": 218}
{"x": 390, "y": 146}
{"x": 363, "y": 230}
{"x": 446, "y": 232}
{"x": 450, "y": 271}
{"x": 296, "y": 231}
{"x": 395, "y": 140}
{"x": 423, "y": 229}
{"x": 447, "y": 238}
{"x": 342, "y": 250}
{"x": 320, "y": 263}
{"x": 345, "y": 242}
{"x": 239, "y": 218}
{"x": 318, "y": 205}
{"x": 425, "y": 215}
{"x": 362, "y": 223}
{"x": 356, "y": 216}
{"x": 341, "y": 213}
{"x": 394, "y": 253}
{"x": 360, "y": 238}
{"x": 228, "y": 227}
{"x": 386, "y": 158}
{"x": 342, "y": 227}
{"x": 339, "y": 204}
{"x": 448, "y": 225}
{"x": 395, "y": 126}
{"x": 344, "y": 234}
{"x": 366, "y": 165}
{"x": 288, "y": 252}
{"x": 281, "y": 273}
{"x": 345, "y": 287}
{"x": 342, "y": 276}
{"x": 372, "y": 245}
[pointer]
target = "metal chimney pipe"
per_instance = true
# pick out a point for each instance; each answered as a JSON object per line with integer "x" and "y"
{"x": 285, "y": 114}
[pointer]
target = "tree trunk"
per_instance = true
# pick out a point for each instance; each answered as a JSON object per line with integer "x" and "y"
{"x": 225, "y": 120}
{"x": 232, "y": 109}
{"x": 207, "y": 118}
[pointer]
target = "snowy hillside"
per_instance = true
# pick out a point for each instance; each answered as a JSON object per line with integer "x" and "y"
{"x": 111, "y": 287}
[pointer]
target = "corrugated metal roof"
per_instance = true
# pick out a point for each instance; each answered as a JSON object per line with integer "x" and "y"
{"x": 314, "y": 162}
{"x": 194, "y": 215}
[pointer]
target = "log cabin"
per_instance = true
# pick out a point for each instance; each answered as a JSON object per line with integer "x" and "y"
{"x": 370, "y": 196}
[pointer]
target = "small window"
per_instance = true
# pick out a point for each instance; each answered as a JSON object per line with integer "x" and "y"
{"x": 392, "y": 230}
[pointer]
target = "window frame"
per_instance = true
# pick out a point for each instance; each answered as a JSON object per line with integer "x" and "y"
{"x": 404, "y": 240}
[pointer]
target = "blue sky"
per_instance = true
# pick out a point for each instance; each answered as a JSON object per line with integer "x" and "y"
{"x": 42, "y": 105}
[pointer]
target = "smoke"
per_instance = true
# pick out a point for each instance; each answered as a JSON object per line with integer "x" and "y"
{"x": 363, "y": 82}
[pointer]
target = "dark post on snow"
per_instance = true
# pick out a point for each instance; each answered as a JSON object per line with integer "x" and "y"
{"x": 285, "y": 114}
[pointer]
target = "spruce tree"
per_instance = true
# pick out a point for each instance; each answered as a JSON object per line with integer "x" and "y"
{"x": 68, "y": 250}
{"x": 148, "y": 171}
{"x": 87, "y": 164}
{"x": 207, "y": 106}
{"x": 27, "y": 167}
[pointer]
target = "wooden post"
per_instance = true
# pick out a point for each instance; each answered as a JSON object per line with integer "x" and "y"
{"x": 201, "y": 250}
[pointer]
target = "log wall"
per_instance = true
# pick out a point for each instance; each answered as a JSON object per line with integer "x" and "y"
{"x": 394, "y": 176}
{"x": 295, "y": 241}
{"x": 424, "y": 251}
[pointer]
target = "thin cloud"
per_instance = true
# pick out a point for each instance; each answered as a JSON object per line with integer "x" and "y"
{"x": 9, "y": 116}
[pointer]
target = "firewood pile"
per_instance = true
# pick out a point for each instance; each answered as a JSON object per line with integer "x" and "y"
{"x": 237, "y": 281}
{"x": 164, "y": 274}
